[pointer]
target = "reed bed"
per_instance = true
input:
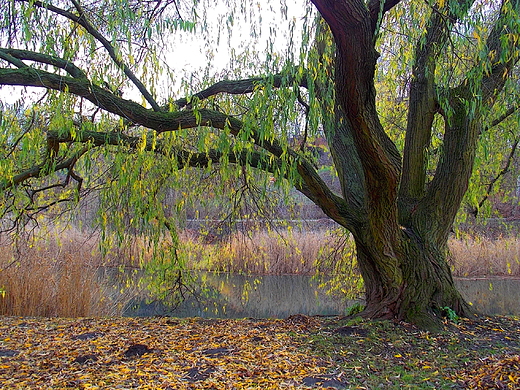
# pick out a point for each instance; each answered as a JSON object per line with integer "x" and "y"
{"x": 65, "y": 274}
{"x": 479, "y": 257}
{"x": 260, "y": 252}
{"x": 60, "y": 275}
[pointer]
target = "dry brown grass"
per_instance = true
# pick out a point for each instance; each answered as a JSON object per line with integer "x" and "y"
{"x": 478, "y": 257}
{"x": 61, "y": 275}
{"x": 260, "y": 252}
{"x": 293, "y": 252}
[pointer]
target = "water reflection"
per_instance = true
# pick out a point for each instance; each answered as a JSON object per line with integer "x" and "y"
{"x": 492, "y": 295}
{"x": 279, "y": 296}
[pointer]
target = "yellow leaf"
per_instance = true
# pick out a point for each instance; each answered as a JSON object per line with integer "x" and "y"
{"x": 476, "y": 36}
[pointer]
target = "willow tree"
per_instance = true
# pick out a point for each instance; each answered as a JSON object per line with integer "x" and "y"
{"x": 404, "y": 158}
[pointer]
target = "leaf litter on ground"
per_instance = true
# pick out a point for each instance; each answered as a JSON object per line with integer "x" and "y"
{"x": 299, "y": 352}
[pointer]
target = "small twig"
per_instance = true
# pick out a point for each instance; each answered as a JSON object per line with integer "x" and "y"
{"x": 493, "y": 181}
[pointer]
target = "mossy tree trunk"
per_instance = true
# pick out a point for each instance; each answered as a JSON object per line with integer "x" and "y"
{"x": 402, "y": 218}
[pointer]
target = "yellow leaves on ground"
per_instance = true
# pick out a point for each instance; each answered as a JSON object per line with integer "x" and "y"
{"x": 496, "y": 373}
{"x": 152, "y": 354}
{"x": 299, "y": 352}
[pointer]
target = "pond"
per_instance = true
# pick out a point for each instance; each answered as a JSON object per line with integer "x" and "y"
{"x": 279, "y": 296}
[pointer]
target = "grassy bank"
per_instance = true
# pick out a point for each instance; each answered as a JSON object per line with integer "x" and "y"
{"x": 65, "y": 275}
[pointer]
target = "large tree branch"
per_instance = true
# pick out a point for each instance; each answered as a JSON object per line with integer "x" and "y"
{"x": 183, "y": 157}
{"x": 351, "y": 25}
{"x": 310, "y": 185}
{"x": 423, "y": 102}
{"x": 68, "y": 66}
{"x": 163, "y": 121}
{"x": 84, "y": 22}
{"x": 244, "y": 86}
{"x": 463, "y": 123}
{"x": 503, "y": 51}
{"x": 127, "y": 109}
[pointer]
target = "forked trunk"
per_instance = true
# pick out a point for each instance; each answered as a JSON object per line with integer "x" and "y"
{"x": 398, "y": 212}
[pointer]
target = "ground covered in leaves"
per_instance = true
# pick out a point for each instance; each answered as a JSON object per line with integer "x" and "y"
{"x": 298, "y": 352}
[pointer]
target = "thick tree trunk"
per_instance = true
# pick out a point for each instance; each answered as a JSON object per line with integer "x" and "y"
{"x": 417, "y": 291}
{"x": 405, "y": 216}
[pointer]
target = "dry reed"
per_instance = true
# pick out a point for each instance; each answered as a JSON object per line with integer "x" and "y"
{"x": 59, "y": 275}
{"x": 479, "y": 257}
{"x": 260, "y": 252}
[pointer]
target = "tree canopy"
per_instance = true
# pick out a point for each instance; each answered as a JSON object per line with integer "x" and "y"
{"x": 408, "y": 95}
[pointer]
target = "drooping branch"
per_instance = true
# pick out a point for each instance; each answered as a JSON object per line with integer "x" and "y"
{"x": 127, "y": 109}
{"x": 160, "y": 121}
{"x": 83, "y": 21}
{"x": 311, "y": 185}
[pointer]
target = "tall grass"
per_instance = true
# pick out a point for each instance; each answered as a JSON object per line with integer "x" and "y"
{"x": 65, "y": 274}
{"x": 60, "y": 275}
{"x": 480, "y": 256}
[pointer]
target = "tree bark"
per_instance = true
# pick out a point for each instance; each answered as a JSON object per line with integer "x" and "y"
{"x": 402, "y": 243}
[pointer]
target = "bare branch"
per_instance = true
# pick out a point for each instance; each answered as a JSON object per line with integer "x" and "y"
{"x": 40, "y": 169}
{"x": 377, "y": 10}
{"x": 494, "y": 180}
{"x": 510, "y": 111}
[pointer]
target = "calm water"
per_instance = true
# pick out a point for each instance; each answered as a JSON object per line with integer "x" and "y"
{"x": 493, "y": 295}
{"x": 279, "y": 296}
